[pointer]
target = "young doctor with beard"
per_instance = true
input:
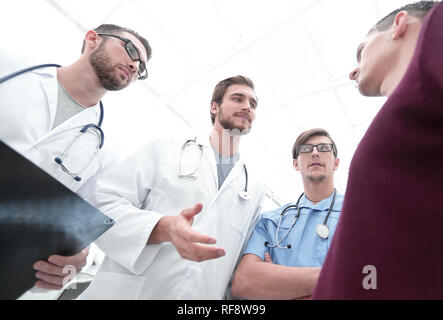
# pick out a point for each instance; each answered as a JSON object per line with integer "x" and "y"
{"x": 52, "y": 115}
{"x": 183, "y": 209}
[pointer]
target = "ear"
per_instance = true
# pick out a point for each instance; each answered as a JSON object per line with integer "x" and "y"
{"x": 295, "y": 164}
{"x": 214, "y": 108}
{"x": 92, "y": 40}
{"x": 400, "y": 25}
{"x": 337, "y": 162}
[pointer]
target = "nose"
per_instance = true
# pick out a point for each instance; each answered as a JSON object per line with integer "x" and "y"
{"x": 246, "y": 106}
{"x": 353, "y": 74}
{"x": 314, "y": 152}
{"x": 133, "y": 65}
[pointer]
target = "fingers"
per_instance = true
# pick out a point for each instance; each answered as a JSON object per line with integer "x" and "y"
{"x": 49, "y": 268}
{"x": 52, "y": 274}
{"x": 268, "y": 257}
{"x": 199, "y": 253}
{"x": 49, "y": 280}
{"x": 190, "y": 244}
{"x": 48, "y": 286}
{"x": 189, "y": 213}
{"x": 195, "y": 236}
{"x": 53, "y": 277}
{"x": 195, "y": 246}
{"x": 78, "y": 260}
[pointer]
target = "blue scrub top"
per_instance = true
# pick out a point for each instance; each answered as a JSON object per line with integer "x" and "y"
{"x": 307, "y": 248}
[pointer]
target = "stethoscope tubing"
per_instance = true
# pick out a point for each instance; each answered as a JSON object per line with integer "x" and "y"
{"x": 97, "y": 126}
{"x": 19, "y": 72}
{"x": 297, "y": 206}
{"x": 242, "y": 194}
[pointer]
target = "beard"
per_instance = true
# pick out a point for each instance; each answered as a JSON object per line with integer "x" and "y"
{"x": 227, "y": 124}
{"x": 105, "y": 71}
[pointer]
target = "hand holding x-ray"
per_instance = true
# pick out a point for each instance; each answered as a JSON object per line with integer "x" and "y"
{"x": 52, "y": 274}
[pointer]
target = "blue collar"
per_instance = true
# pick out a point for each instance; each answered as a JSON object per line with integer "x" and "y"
{"x": 324, "y": 204}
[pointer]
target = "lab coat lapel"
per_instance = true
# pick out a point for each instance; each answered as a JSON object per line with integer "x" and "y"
{"x": 78, "y": 121}
{"x": 235, "y": 171}
{"x": 209, "y": 156}
{"x": 50, "y": 87}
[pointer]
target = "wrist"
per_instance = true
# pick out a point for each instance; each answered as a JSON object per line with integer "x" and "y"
{"x": 161, "y": 231}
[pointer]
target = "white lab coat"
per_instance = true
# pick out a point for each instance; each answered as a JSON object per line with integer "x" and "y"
{"x": 144, "y": 188}
{"x": 28, "y": 105}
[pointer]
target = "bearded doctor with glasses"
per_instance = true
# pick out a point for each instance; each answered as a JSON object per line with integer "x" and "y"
{"x": 52, "y": 115}
{"x": 289, "y": 244}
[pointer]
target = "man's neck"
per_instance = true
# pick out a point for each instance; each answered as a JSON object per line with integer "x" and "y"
{"x": 226, "y": 144}
{"x": 394, "y": 77}
{"x": 405, "y": 52}
{"x": 81, "y": 82}
{"x": 318, "y": 191}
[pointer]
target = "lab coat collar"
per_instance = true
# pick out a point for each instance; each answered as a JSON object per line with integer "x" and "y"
{"x": 50, "y": 87}
{"x": 209, "y": 154}
{"x": 81, "y": 119}
{"x": 203, "y": 139}
{"x": 50, "y": 71}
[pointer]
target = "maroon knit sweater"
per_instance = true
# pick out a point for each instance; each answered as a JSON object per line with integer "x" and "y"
{"x": 392, "y": 215}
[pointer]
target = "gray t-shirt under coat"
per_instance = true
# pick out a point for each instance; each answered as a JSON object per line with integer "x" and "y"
{"x": 224, "y": 165}
{"x": 66, "y": 107}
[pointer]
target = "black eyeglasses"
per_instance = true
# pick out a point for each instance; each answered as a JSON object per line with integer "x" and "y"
{"x": 321, "y": 147}
{"x": 133, "y": 53}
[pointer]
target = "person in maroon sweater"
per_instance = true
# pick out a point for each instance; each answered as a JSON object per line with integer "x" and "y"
{"x": 389, "y": 242}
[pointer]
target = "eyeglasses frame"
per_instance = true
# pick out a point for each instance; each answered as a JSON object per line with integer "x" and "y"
{"x": 127, "y": 41}
{"x": 316, "y": 146}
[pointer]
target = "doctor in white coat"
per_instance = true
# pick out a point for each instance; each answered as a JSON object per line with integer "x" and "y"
{"x": 42, "y": 111}
{"x": 159, "y": 250}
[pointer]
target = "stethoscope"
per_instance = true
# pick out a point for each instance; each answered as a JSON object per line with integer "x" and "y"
{"x": 91, "y": 126}
{"x": 322, "y": 229}
{"x": 244, "y": 194}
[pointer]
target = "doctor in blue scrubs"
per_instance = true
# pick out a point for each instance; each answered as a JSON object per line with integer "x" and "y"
{"x": 284, "y": 255}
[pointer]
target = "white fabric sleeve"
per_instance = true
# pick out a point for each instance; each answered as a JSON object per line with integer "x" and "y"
{"x": 120, "y": 193}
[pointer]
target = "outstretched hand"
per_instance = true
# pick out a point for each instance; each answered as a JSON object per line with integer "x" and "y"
{"x": 190, "y": 244}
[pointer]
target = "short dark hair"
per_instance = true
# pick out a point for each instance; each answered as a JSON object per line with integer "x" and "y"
{"x": 117, "y": 30}
{"x": 418, "y": 9}
{"x": 306, "y": 135}
{"x": 222, "y": 86}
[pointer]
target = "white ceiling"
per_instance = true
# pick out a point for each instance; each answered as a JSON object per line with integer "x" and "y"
{"x": 298, "y": 53}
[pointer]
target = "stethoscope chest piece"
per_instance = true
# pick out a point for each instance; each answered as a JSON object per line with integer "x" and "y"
{"x": 244, "y": 195}
{"x": 322, "y": 231}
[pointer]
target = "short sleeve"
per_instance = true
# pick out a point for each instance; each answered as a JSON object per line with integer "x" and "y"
{"x": 256, "y": 243}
